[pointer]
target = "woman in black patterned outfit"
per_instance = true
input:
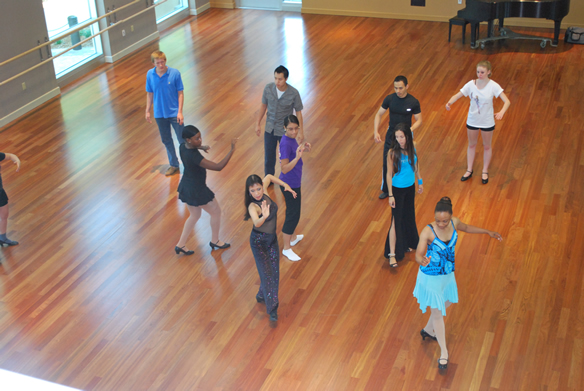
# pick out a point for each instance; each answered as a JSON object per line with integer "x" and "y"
{"x": 263, "y": 239}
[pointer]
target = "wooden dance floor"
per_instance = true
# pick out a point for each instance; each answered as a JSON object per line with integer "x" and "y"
{"x": 95, "y": 298}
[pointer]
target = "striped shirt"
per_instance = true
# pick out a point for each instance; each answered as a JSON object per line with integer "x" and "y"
{"x": 278, "y": 109}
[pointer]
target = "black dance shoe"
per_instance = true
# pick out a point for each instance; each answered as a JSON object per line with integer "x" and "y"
{"x": 442, "y": 366}
{"x": 485, "y": 181}
{"x": 260, "y": 299}
{"x": 215, "y": 246}
{"x": 274, "y": 316}
{"x": 465, "y": 178}
{"x": 383, "y": 196}
{"x": 8, "y": 242}
{"x": 179, "y": 250}
{"x": 425, "y": 335}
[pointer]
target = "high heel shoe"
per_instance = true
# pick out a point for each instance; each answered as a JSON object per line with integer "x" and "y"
{"x": 442, "y": 366}
{"x": 465, "y": 178}
{"x": 215, "y": 246}
{"x": 424, "y": 334}
{"x": 485, "y": 181}
{"x": 179, "y": 250}
{"x": 392, "y": 264}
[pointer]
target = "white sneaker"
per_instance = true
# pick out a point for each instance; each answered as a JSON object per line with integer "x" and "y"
{"x": 298, "y": 238}
{"x": 291, "y": 255}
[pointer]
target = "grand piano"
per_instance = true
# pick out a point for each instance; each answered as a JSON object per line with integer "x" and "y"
{"x": 477, "y": 11}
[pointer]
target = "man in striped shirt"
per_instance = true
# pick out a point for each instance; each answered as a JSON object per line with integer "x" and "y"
{"x": 279, "y": 100}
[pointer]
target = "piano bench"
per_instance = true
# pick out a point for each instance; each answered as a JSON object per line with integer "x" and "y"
{"x": 457, "y": 22}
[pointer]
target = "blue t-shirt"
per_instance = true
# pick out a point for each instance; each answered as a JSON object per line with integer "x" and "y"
{"x": 288, "y": 147}
{"x": 165, "y": 91}
{"x": 406, "y": 176}
{"x": 441, "y": 255}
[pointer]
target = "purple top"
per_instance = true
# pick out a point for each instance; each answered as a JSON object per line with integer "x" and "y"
{"x": 288, "y": 147}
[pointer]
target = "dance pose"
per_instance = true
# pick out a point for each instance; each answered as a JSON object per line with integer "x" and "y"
{"x": 4, "y": 202}
{"x": 481, "y": 117}
{"x": 436, "y": 285}
{"x": 291, "y": 162}
{"x": 401, "y": 107}
{"x": 279, "y": 100}
{"x": 263, "y": 239}
{"x": 193, "y": 190}
{"x": 165, "y": 91}
{"x": 402, "y": 170}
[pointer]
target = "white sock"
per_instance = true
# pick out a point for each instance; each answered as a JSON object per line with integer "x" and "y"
{"x": 298, "y": 238}
{"x": 291, "y": 255}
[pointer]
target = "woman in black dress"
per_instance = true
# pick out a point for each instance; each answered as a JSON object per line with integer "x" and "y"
{"x": 263, "y": 239}
{"x": 4, "y": 203}
{"x": 193, "y": 190}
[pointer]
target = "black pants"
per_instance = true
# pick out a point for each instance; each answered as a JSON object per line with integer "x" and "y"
{"x": 389, "y": 137}
{"x": 404, "y": 218}
{"x": 270, "y": 152}
{"x": 292, "y": 210}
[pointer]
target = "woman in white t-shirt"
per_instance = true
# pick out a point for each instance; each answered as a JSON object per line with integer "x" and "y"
{"x": 481, "y": 116}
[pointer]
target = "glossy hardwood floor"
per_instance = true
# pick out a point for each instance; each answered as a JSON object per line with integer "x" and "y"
{"x": 95, "y": 298}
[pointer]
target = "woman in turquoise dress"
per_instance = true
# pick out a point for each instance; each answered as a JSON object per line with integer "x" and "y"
{"x": 436, "y": 286}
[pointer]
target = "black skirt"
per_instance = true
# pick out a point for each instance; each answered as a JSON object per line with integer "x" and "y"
{"x": 194, "y": 195}
{"x": 3, "y": 198}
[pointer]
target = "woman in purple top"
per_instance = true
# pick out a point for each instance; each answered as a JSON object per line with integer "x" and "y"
{"x": 291, "y": 164}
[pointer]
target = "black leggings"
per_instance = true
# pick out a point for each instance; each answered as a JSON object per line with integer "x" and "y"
{"x": 292, "y": 210}
{"x": 404, "y": 218}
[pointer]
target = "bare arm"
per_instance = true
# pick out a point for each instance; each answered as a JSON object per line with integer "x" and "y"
{"x": 418, "y": 123}
{"x": 300, "y": 137}
{"x": 181, "y": 100}
{"x": 388, "y": 179}
{"x": 471, "y": 229}
{"x": 506, "y": 105}
{"x": 270, "y": 178}
{"x": 376, "y": 122}
{"x": 209, "y": 165}
{"x": 261, "y": 113}
{"x": 425, "y": 237}
{"x": 287, "y": 165}
{"x": 149, "y": 96}
{"x": 419, "y": 178}
{"x": 453, "y": 99}
{"x": 14, "y": 159}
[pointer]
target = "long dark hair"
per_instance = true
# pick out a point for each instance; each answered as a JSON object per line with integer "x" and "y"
{"x": 444, "y": 205}
{"x": 250, "y": 181}
{"x": 396, "y": 151}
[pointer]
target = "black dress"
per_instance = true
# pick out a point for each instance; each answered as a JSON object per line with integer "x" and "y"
{"x": 192, "y": 188}
{"x": 3, "y": 195}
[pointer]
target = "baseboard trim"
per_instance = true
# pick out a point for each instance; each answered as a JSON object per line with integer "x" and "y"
{"x": 130, "y": 49}
{"x": 222, "y": 4}
{"x": 30, "y": 106}
{"x": 201, "y": 9}
{"x": 519, "y": 22}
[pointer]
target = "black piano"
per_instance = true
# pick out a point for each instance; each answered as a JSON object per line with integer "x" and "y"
{"x": 477, "y": 11}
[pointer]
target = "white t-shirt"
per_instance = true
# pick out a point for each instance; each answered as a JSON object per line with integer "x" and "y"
{"x": 481, "y": 113}
{"x": 280, "y": 93}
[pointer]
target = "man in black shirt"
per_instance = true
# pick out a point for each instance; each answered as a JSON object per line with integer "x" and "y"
{"x": 401, "y": 107}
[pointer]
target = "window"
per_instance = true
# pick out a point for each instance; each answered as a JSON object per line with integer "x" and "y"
{"x": 171, "y": 7}
{"x": 65, "y": 15}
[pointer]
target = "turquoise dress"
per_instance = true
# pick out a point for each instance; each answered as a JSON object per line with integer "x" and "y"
{"x": 436, "y": 284}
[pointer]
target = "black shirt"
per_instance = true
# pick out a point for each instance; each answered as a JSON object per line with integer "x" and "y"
{"x": 193, "y": 172}
{"x": 401, "y": 109}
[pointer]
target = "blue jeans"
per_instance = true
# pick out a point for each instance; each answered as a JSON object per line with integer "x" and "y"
{"x": 166, "y": 136}
{"x": 270, "y": 148}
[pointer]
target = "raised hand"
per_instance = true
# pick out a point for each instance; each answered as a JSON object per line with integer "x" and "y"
{"x": 307, "y": 147}
{"x": 265, "y": 209}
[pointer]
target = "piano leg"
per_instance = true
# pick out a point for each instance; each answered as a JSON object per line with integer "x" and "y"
{"x": 557, "y": 24}
{"x": 473, "y": 34}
